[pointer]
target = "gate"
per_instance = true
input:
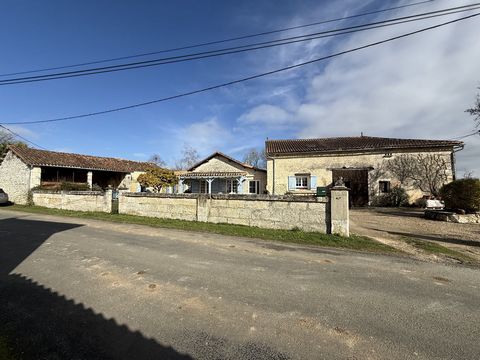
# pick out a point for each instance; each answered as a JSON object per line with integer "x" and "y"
{"x": 114, "y": 201}
{"x": 356, "y": 180}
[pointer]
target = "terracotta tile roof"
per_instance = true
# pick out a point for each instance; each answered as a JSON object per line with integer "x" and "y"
{"x": 218, "y": 153}
{"x": 35, "y": 157}
{"x": 345, "y": 144}
{"x": 225, "y": 174}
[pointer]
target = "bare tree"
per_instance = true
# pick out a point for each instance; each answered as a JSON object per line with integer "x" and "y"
{"x": 401, "y": 167}
{"x": 157, "y": 160}
{"x": 256, "y": 158}
{"x": 430, "y": 172}
{"x": 427, "y": 172}
{"x": 475, "y": 110}
{"x": 189, "y": 158}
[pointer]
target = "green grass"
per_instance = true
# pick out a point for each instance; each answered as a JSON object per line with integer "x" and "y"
{"x": 434, "y": 248}
{"x": 353, "y": 242}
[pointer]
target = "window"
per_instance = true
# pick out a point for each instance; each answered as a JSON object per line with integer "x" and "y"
{"x": 231, "y": 186}
{"x": 301, "y": 182}
{"x": 254, "y": 187}
{"x": 203, "y": 187}
{"x": 384, "y": 186}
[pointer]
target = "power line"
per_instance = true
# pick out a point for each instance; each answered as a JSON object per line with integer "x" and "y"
{"x": 21, "y": 137}
{"x": 476, "y": 132}
{"x": 213, "y": 87}
{"x": 219, "y": 41}
{"x": 239, "y": 49}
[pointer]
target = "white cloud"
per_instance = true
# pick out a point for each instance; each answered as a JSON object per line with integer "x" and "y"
{"x": 414, "y": 87}
{"x": 23, "y": 131}
{"x": 205, "y": 136}
{"x": 266, "y": 115}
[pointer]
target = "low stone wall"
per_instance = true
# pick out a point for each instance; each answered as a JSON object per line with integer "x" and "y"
{"x": 165, "y": 206}
{"x": 275, "y": 212}
{"x": 74, "y": 200}
{"x": 449, "y": 216}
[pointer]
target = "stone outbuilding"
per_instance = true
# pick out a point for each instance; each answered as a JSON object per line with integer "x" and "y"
{"x": 222, "y": 174}
{"x": 299, "y": 166}
{"x": 24, "y": 168}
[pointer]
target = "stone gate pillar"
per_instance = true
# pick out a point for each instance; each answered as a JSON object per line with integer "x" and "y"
{"x": 339, "y": 212}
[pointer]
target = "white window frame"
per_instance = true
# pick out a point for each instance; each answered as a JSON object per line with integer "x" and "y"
{"x": 303, "y": 180}
{"x": 257, "y": 186}
{"x": 231, "y": 186}
{"x": 203, "y": 185}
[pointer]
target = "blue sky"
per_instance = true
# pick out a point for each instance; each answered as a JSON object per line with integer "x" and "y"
{"x": 416, "y": 87}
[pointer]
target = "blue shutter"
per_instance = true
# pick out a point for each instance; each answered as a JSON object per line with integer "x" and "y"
{"x": 292, "y": 183}
{"x": 313, "y": 182}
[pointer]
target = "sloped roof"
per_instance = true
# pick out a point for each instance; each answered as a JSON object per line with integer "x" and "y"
{"x": 35, "y": 157}
{"x": 218, "y": 153}
{"x": 217, "y": 174}
{"x": 345, "y": 144}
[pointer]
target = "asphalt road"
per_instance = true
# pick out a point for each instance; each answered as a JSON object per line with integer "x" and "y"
{"x": 84, "y": 289}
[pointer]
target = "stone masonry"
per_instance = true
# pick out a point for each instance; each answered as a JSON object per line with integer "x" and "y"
{"x": 275, "y": 212}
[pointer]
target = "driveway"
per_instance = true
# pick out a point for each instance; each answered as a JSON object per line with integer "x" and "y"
{"x": 390, "y": 225}
{"x": 85, "y": 289}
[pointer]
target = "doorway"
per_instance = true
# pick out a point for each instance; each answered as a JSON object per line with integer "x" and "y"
{"x": 356, "y": 180}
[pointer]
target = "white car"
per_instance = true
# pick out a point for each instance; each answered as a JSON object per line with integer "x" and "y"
{"x": 3, "y": 197}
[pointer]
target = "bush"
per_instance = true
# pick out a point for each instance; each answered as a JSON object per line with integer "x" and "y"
{"x": 71, "y": 186}
{"x": 462, "y": 194}
{"x": 395, "y": 198}
{"x": 68, "y": 186}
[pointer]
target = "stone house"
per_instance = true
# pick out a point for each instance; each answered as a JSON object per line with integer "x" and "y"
{"x": 24, "y": 168}
{"x": 299, "y": 166}
{"x": 221, "y": 174}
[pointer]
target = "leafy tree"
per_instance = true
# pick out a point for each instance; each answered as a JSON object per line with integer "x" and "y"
{"x": 157, "y": 160}
{"x": 156, "y": 178}
{"x": 7, "y": 139}
{"x": 256, "y": 158}
{"x": 189, "y": 158}
{"x": 475, "y": 110}
{"x": 462, "y": 194}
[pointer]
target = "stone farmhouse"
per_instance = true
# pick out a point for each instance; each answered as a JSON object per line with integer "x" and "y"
{"x": 298, "y": 166}
{"x": 221, "y": 174}
{"x": 24, "y": 168}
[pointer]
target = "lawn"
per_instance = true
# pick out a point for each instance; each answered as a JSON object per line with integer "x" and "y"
{"x": 431, "y": 247}
{"x": 353, "y": 242}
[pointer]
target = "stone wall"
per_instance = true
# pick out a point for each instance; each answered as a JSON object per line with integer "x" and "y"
{"x": 182, "y": 207}
{"x": 15, "y": 178}
{"x": 74, "y": 200}
{"x": 275, "y": 212}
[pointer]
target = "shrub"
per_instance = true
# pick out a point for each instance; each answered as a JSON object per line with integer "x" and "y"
{"x": 462, "y": 194}
{"x": 96, "y": 187}
{"x": 395, "y": 198}
{"x": 71, "y": 186}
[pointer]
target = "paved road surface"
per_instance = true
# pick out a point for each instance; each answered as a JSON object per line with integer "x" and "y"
{"x": 84, "y": 289}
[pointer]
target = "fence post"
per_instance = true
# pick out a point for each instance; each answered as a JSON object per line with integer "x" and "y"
{"x": 339, "y": 212}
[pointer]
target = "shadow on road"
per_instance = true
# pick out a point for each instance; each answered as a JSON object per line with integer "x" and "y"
{"x": 42, "y": 324}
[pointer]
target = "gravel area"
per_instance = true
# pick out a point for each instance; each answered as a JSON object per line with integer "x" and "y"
{"x": 390, "y": 225}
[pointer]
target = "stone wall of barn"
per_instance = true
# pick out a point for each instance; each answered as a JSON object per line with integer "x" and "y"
{"x": 15, "y": 178}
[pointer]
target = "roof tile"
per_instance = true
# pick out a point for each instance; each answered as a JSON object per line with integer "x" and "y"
{"x": 35, "y": 157}
{"x": 345, "y": 144}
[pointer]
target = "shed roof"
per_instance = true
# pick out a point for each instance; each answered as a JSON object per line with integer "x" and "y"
{"x": 35, "y": 157}
{"x": 346, "y": 144}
